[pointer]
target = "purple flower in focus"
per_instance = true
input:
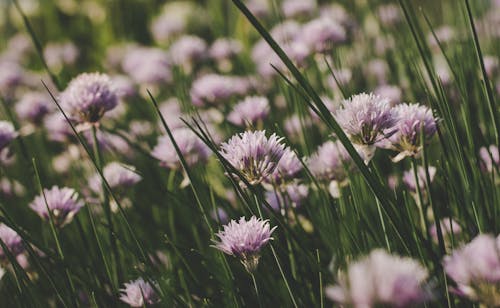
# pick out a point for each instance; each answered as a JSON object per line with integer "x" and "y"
{"x": 322, "y": 34}
{"x": 88, "y": 96}
{"x": 12, "y": 241}
{"x": 249, "y": 111}
{"x": 253, "y": 154}
{"x": 63, "y": 204}
{"x": 381, "y": 279}
{"x": 475, "y": 268}
{"x": 33, "y": 106}
{"x": 117, "y": 175}
{"x": 139, "y": 293}
{"x": 7, "y": 134}
{"x": 244, "y": 239}
{"x": 412, "y": 120}
{"x": 191, "y": 147}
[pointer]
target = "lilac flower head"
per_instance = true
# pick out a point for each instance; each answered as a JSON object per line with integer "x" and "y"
{"x": 412, "y": 120}
{"x": 147, "y": 66}
{"x": 12, "y": 75}
{"x": 124, "y": 86}
{"x": 381, "y": 278}
{"x": 191, "y": 147}
{"x": 389, "y": 14}
{"x": 33, "y": 106}
{"x": 62, "y": 202}
{"x": 449, "y": 227}
{"x": 89, "y": 96}
{"x": 475, "y": 268}
{"x": 292, "y": 195}
{"x": 139, "y": 293}
{"x": 58, "y": 55}
{"x": 57, "y": 127}
{"x": 249, "y": 111}
{"x": 172, "y": 21}
{"x": 253, "y": 154}
{"x": 187, "y": 50}
{"x": 172, "y": 113}
{"x": 213, "y": 89}
{"x": 365, "y": 117}
{"x": 225, "y": 48}
{"x": 11, "y": 240}
{"x": 295, "y": 8}
{"x": 410, "y": 181}
{"x": 288, "y": 167}
{"x": 330, "y": 162}
{"x": 7, "y": 134}
{"x": 322, "y": 34}
{"x": 117, "y": 175}
{"x": 393, "y": 93}
{"x": 244, "y": 239}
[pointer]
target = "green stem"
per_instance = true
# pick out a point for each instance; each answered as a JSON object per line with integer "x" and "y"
{"x": 256, "y": 289}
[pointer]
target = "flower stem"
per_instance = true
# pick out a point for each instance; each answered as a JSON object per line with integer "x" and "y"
{"x": 256, "y": 288}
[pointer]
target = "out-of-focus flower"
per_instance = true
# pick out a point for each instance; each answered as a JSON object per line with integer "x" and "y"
{"x": 12, "y": 75}
{"x": 63, "y": 204}
{"x": 297, "y": 8}
{"x": 124, "y": 86}
{"x": 322, "y": 34}
{"x": 393, "y": 93}
{"x": 259, "y": 8}
{"x": 475, "y": 268}
{"x": 389, "y": 14}
{"x": 57, "y": 127}
{"x": 58, "y": 55}
{"x": 410, "y": 181}
{"x": 294, "y": 125}
{"x": 288, "y": 167}
{"x": 117, "y": 175}
{"x": 381, "y": 279}
{"x": 249, "y": 111}
{"x": 225, "y": 48}
{"x": 11, "y": 188}
{"x": 172, "y": 21}
{"x": 330, "y": 162}
{"x": 412, "y": 120}
{"x": 449, "y": 228}
{"x": 150, "y": 66}
{"x": 213, "y": 89}
{"x": 219, "y": 215}
{"x": 7, "y": 134}
{"x": 366, "y": 119}
{"x": 245, "y": 239}
{"x": 12, "y": 241}
{"x": 490, "y": 158}
{"x": 139, "y": 293}
{"x": 378, "y": 68}
{"x": 292, "y": 195}
{"x": 490, "y": 65}
{"x": 88, "y": 97}
{"x": 33, "y": 107}
{"x": 253, "y": 154}
{"x": 172, "y": 113}
{"x": 191, "y": 147}
{"x": 187, "y": 51}
{"x": 444, "y": 34}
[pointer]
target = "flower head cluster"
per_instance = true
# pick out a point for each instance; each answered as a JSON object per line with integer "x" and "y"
{"x": 191, "y": 147}
{"x": 249, "y": 111}
{"x": 330, "y": 162}
{"x": 475, "y": 268}
{"x": 12, "y": 242}
{"x": 366, "y": 118}
{"x": 63, "y": 204}
{"x": 117, "y": 175}
{"x": 33, "y": 106}
{"x": 139, "y": 293}
{"x": 88, "y": 97}
{"x": 253, "y": 154}
{"x": 412, "y": 120}
{"x": 322, "y": 34}
{"x": 244, "y": 239}
{"x": 381, "y": 278}
{"x": 7, "y": 134}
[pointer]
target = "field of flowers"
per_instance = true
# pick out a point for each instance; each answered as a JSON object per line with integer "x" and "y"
{"x": 250, "y": 153}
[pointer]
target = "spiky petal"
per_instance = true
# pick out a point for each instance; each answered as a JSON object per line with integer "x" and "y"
{"x": 139, "y": 293}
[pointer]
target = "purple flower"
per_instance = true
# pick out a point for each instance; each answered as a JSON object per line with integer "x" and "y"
{"x": 291, "y": 195}
{"x": 412, "y": 119}
{"x": 12, "y": 75}
{"x": 62, "y": 202}
{"x": 88, "y": 97}
{"x": 225, "y": 48}
{"x": 213, "y": 89}
{"x": 7, "y": 134}
{"x": 330, "y": 162}
{"x": 187, "y": 50}
{"x": 449, "y": 227}
{"x": 244, "y": 239}
{"x": 191, "y": 147}
{"x": 381, "y": 279}
{"x": 322, "y": 34}
{"x": 288, "y": 167}
{"x": 172, "y": 21}
{"x": 139, "y": 293}
{"x": 253, "y": 154}
{"x": 475, "y": 268}
{"x": 117, "y": 175}
{"x": 12, "y": 241}
{"x": 172, "y": 113}
{"x": 410, "y": 181}
{"x": 249, "y": 111}
{"x": 124, "y": 86}
{"x": 389, "y": 14}
{"x": 57, "y": 127}
{"x": 365, "y": 118}
{"x": 393, "y": 93}
{"x": 58, "y": 55}
{"x": 33, "y": 106}
{"x": 490, "y": 158}
{"x": 295, "y": 8}
{"x": 149, "y": 66}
